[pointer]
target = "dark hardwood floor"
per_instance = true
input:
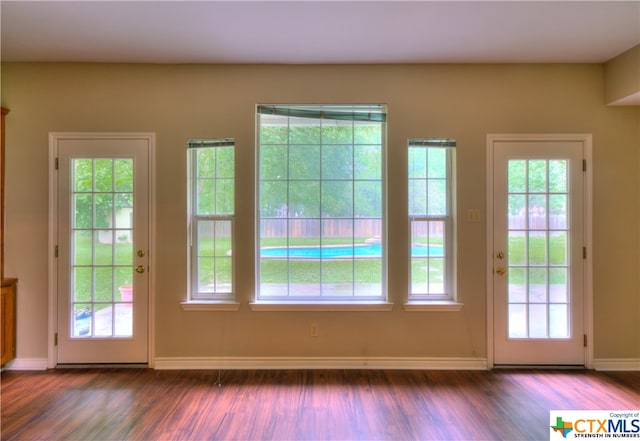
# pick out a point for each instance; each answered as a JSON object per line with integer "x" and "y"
{"x": 143, "y": 404}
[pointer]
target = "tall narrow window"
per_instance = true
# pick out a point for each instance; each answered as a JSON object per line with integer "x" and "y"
{"x": 431, "y": 218}
{"x": 321, "y": 203}
{"x": 211, "y": 215}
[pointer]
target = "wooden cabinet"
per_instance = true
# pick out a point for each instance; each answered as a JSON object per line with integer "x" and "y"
{"x": 8, "y": 303}
{"x": 8, "y": 316}
{"x": 4, "y": 113}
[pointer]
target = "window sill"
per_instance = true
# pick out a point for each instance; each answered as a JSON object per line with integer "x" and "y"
{"x": 211, "y": 305}
{"x": 309, "y": 306}
{"x": 433, "y": 306}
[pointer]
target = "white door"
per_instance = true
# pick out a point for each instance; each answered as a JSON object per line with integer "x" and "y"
{"x": 537, "y": 256}
{"x": 103, "y": 248}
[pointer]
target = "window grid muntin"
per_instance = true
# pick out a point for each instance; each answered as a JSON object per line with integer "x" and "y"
{"x": 525, "y": 328}
{"x": 198, "y": 273}
{"x": 98, "y": 297}
{"x": 323, "y": 238}
{"x": 196, "y": 219}
{"x": 448, "y": 146}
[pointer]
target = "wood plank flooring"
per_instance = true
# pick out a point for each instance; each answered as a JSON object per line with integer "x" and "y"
{"x": 143, "y": 404}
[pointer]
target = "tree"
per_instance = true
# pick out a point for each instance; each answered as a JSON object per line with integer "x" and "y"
{"x": 538, "y": 177}
{"x": 345, "y": 157}
{"x": 214, "y": 180}
{"x": 101, "y": 187}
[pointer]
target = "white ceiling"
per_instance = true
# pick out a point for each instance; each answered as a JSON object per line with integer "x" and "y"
{"x": 318, "y": 31}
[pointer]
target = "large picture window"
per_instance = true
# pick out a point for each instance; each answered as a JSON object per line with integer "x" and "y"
{"x": 211, "y": 213}
{"x": 320, "y": 203}
{"x": 430, "y": 171}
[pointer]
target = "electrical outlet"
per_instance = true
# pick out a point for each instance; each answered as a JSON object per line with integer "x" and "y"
{"x": 314, "y": 330}
{"x": 473, "y": 215}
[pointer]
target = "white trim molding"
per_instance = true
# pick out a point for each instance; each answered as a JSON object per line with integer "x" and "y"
{"x": 203, "y": 305}
{"x": 445, "y": 363}
{"x": 27, "y": 364}
{"x": 263, "y": 305}
{"x": 587, "y": 141}
{"x": 417, "y": 306}
{"x": 616, "y": 364}
{"x": 52, "y": 295}
{"x": 420, "y": 363}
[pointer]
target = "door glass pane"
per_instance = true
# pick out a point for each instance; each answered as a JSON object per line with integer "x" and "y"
{"x": 517, "y": 172}
{"x": 537, "y": 176}
{"x": 517, "y": 207}
{"x": 517, "y": 320}
{"x": 537, "y": 212}
{"x": 124, "y": 247}
{"x": 559, "y": 321}
{"x": 537, "y": 321}
{"x": 517, "y": 248}
{"x": 103, "y": 210}
{"x": 81, "y": 241}
{"x": 558, "y": 287}
{"x": 83, "y": 210}
{"x": 123, "y": 320}
{"x": 81, "y": 326}
{"x": 82, "y": 284}
{"x": 103, "y": 251}
{"x": 124, "y": 175}
{"x": 103, "y": 178}
{"x": 102, "y": 248}
{"x": 558, "y": 248}
{"x": 537, "y": 285}
{"x": 558, "y": 176}
{"x": 558, "y": 211}
{"x": 538, "y": 249}
{"x": 103, "y": 315}
{"x": 517, "y": 285}
{"x": 83, "y": 172}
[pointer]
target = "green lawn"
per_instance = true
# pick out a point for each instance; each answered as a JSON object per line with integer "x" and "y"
{"x": 313, "y": 271}
{"x": 120, "y": 259}
{"x": 536, "y": 254}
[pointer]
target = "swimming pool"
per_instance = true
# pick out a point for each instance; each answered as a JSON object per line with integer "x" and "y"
{"x": 369, "y": 251}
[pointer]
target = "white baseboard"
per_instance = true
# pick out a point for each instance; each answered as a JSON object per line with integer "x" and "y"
{"x": 27, "y": 364}
{"x": 616, "y": 364}
{"x": 423, "y": 363}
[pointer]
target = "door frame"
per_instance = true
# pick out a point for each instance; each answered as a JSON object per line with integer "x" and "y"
{"x": 54, "y": 137}
{"x": 586, "y": 140}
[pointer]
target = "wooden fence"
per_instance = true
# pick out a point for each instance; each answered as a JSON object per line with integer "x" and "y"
{"x": 373, "y": 227}
{"x": 320, "y": 227}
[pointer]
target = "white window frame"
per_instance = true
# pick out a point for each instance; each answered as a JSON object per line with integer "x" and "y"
{"x": 216, "y": 300}
{"x": 447, "y": 299}
{"x": 333, "y": 302}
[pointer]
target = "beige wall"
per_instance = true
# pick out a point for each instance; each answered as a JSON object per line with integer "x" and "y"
{"x": 459, "y": 101}
{"x": 622, "y": 78}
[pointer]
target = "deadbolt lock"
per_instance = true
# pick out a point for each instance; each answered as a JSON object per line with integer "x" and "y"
{"x": 500, "y": 255}
{"x": 141, "y": 253}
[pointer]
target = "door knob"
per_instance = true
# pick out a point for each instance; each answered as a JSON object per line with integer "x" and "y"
{"x": 140, "y": 269}
{"x": 501, "y": 271}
